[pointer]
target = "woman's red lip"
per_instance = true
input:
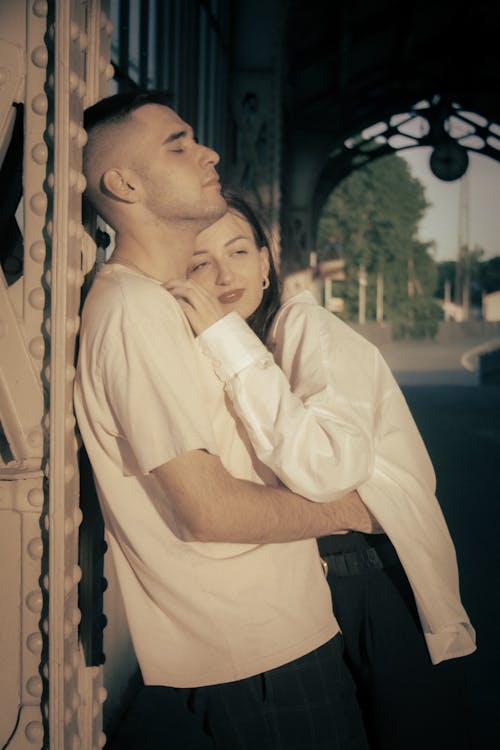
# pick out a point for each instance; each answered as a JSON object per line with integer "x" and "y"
{"x": 233, "y": 296}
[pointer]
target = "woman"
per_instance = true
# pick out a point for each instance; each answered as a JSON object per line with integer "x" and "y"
{"x": 327, "y": 416}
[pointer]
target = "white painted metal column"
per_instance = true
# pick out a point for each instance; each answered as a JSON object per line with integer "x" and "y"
{"x": 49, "y": 697}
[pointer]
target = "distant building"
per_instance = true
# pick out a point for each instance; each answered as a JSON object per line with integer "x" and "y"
{"x": 452, "y": 311}
{"x": 317, "y": 278}
{"x": 491, "y": 306}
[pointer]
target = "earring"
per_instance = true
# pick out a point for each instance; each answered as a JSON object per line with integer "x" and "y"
{"x": 265, "y": 283}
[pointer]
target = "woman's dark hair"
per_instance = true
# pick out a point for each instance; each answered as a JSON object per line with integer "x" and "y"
{"x": 259, "y": 321}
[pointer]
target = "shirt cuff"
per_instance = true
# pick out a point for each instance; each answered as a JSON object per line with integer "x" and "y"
{"x": 231, "y": 345}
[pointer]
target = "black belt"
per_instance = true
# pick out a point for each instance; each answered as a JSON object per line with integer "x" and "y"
{"x": 362, "y": 561}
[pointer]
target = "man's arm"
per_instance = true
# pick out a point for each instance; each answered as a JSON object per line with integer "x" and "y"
{"x": 205, "y": 503}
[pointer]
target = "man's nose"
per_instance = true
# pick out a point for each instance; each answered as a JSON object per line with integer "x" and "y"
{"x": 209, "y": 156}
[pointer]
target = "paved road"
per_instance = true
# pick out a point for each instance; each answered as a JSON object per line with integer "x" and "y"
{"x": 432, "y": 362}
{"x": 460, "y": 423}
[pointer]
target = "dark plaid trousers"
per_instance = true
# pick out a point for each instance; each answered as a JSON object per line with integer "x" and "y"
{"x": 308, "y": 704}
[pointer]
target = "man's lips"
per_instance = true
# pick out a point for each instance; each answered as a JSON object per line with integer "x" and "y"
{"x": 232, "y": 296}
{"x": 214, "y": 182}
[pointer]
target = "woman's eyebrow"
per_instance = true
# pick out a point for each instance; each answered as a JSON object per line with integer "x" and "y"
{"x": 229, "y": 242}
{"x": 235, "y": 239}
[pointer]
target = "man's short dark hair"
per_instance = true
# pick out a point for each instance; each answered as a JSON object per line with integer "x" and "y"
{"x": 118, "y": 106}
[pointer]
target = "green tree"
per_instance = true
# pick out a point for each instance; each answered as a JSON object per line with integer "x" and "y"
{"x": 446, "y": 274}
{"x": 489, "y": 274}
{"x": 479, "y": 275}
{"x": 373, "y": 216}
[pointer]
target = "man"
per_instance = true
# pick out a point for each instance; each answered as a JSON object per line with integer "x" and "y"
{"x": 222, "y": 583}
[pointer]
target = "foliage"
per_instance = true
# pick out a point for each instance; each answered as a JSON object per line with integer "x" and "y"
{"x": 416, "y": 318}
{"x": 446, "y": 273}
{"x": 372, "y": 220}
{"x": 484, "y": 275}
{"x": 489, "y": 275}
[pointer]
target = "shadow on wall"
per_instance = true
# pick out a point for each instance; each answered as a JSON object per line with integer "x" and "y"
{"x": 103, "y": 628}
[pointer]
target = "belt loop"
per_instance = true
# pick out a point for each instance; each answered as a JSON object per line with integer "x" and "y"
{"x": 341, "y": 567}
{"x": 354, "y": 563}
{"x": 375, "y": 561}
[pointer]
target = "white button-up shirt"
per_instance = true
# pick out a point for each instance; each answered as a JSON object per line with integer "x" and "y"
{"x": 326, "y": 415}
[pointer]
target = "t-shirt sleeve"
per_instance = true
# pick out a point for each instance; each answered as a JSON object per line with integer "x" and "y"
{"x": 150, "y": 370}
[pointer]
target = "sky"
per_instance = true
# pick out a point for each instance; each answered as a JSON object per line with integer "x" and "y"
{"x": 441, "y": 222}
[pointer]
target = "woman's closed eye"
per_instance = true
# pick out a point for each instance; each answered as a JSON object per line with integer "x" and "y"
{"x": 199, "y": 266}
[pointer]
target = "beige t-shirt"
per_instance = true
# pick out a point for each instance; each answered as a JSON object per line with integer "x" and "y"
{"x": 199, "y": 613}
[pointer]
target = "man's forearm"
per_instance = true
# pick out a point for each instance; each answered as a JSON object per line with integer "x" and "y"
{"x": 265, "y": 515}
{"x": 210, "y": 505}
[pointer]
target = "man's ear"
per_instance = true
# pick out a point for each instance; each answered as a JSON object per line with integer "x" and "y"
{"x": 120, "y": 184}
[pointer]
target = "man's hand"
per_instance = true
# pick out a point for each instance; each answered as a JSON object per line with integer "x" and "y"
{"x": 200, "y": 308}
{"x": 356, "y": 515}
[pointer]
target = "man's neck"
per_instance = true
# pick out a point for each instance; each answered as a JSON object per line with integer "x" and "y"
{"x": 162, "y": 253}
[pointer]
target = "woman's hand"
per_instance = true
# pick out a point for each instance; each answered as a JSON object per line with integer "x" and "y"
{"x": 200, "y": 308}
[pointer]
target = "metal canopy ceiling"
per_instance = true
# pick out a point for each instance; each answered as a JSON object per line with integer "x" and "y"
{"x": 352, "y": 63}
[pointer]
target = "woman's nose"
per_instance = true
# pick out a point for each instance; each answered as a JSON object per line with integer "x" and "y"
{"x": 224, "y": 274}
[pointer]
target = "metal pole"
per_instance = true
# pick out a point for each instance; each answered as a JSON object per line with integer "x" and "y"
{"x": 380, "y": 297}
{"x": 362, "y": 294}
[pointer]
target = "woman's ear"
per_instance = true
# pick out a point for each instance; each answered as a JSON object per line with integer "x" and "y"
{"x": 120, "y": 185}
{"x": 264, "y": 261}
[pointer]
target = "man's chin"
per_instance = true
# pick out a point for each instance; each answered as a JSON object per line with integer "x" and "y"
{"x": 215, "y": 212}
{"x": 222, "y": 207}
{"x": 206, "y": 216}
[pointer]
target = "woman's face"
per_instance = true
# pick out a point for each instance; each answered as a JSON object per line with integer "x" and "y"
{"x": 229, "y": 265}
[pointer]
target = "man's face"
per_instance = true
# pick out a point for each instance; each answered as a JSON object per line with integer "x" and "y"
{"x": 177, "y": 174}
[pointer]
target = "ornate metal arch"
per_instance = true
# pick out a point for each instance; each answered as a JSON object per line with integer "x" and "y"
{"x": 449, "y": 128}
